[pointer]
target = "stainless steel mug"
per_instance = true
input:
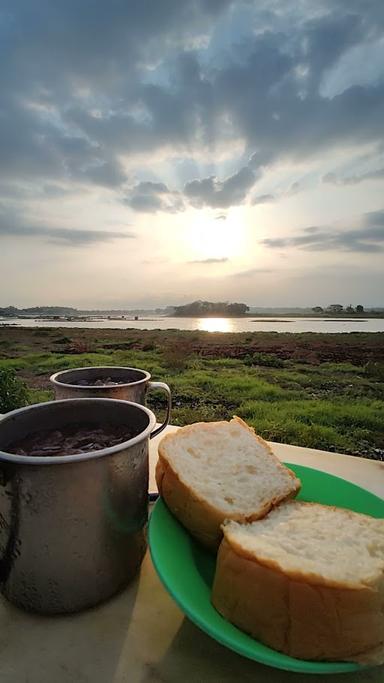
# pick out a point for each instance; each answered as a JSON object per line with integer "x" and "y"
{"x": 72, "y": 527}
{"x": 135, "y": 387}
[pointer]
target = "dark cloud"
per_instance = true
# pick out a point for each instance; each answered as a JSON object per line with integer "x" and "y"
{"x": 211, "y": 260}
{"x": 12, "y": 226}
{"x": 213, "y": 192}
{"x": 374, "y": 218}
{"x": 87, "y": 86}
{"x": 107, "y": 173}
{"x": 369, "y": 238}
{"x": 334, "y": 179}
{"x": 33, "y": 147}
{"x": 150, "y": 187}
{"x": 150, "y": 197}
{"x": 72, "y": 76}
{"x": 53, "y": 191}
{"x": 12, "y": 191}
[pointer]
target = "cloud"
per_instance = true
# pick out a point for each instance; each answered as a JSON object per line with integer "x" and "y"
{"x": 361, "y": 64}
{"x": 274, "y": 90}
{"x": 264, "y": 199}
{"x": 11, "y": 226}
{"x": 251, "y": 272}
{"x": 374, "y": 218}
{"x": 293, "y": 189}
{"x": 368, "y": 238}
{"x": 164, "y": 80}
{"x": 107, "y": 173}
{"x": 211, "y": 260}
{"x": 215, "y": 193}
{"x": 221, "y": 217}
{"x": 150, "y": 197}
{"x": 334, "y": 179}
{"x": 54, "y": 191}
{"x": 72, "y": 111}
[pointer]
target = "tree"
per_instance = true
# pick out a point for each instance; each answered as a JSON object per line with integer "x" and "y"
{"x": 359, "y": 309}
{"x": 318, "y": 309}
{"x": 335, "y": 308}
{"x": 200, "y": 309}
{"x": 237, "y": 309}
{"x": 350, "y": 309}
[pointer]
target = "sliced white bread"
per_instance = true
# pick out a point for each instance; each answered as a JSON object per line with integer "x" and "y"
{"x": 307, "y": 580}
{"x": 209, "y": 472}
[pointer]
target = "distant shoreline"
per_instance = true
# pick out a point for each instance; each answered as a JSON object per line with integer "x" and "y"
{"x": 259, "y": 317}
{"x": 250, "y": 324}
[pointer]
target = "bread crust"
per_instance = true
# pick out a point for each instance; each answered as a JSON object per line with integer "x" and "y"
{"x": 202, "y": 519}
{"x": 196, "y": 514}
{"x": 296, "y": 615}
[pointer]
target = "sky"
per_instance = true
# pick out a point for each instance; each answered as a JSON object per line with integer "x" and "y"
{"x": 153, "y": 153}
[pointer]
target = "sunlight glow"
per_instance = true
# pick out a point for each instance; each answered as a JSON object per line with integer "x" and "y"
{"x": 215, "y": 325}
{"x": 209, "y": 237}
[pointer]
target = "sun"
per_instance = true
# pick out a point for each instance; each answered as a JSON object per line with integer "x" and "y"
{"x": 214, "y": 236}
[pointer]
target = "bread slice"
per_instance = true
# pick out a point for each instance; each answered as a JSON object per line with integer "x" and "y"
{"x": 209, "y": 472}
{"x": 307, "y": 580}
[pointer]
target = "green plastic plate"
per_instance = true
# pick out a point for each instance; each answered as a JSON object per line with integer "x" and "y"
{"x": 187, "y": 569}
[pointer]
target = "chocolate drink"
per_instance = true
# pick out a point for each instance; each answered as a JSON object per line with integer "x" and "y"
{"x": 79, "y": 437}
{"x": 99, "y": 382}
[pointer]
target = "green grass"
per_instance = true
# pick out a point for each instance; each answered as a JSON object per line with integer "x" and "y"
{"x": 40, "y": 395}
{"x": 327, "y": 405}
{"x": 318, "y": 424}
{"x": 313, "y": 409}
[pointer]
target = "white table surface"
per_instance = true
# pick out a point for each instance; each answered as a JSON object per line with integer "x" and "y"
{"x": 141, "y": 636}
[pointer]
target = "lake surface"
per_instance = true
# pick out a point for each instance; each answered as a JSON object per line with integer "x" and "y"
{"x": 256, "y": 324}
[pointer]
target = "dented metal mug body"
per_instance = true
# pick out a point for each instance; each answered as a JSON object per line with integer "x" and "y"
{"x": 73, "y": 527}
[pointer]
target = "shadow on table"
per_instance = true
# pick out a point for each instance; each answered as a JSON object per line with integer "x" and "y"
{"x": 196, "y": 658}
{"x": 79, "y": 647}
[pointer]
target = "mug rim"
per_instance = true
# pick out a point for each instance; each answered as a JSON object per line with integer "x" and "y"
{"x": 101, "y": 387}
{"x": 77, "y": 457}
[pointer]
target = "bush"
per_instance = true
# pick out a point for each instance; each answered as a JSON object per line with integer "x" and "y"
{"x": 13, "y": 391}
{"x": 61, "y": 340}
{"x": 79, "y": 346}
{"x": 268, "y": 360}
{"x": 375, "y": 370}
{"x": 177, "y": 353}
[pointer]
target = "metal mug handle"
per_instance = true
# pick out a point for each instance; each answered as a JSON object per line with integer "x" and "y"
{"x": 164, "y": 387}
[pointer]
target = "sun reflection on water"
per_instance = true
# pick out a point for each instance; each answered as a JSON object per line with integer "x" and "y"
{"x": 215, "y": 325}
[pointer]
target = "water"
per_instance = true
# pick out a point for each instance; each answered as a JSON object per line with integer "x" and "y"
{"x": 256, "y": 324}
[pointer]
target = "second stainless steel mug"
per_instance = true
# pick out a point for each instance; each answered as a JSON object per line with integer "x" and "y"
{"x": 133, "y": 385}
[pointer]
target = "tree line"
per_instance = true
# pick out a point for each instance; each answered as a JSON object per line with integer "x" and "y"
{"x": 200, "y": 309}
{"x": 338, "y": 308}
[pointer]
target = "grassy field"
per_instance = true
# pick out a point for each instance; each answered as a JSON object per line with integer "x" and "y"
{"x": 317, "y": 390}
